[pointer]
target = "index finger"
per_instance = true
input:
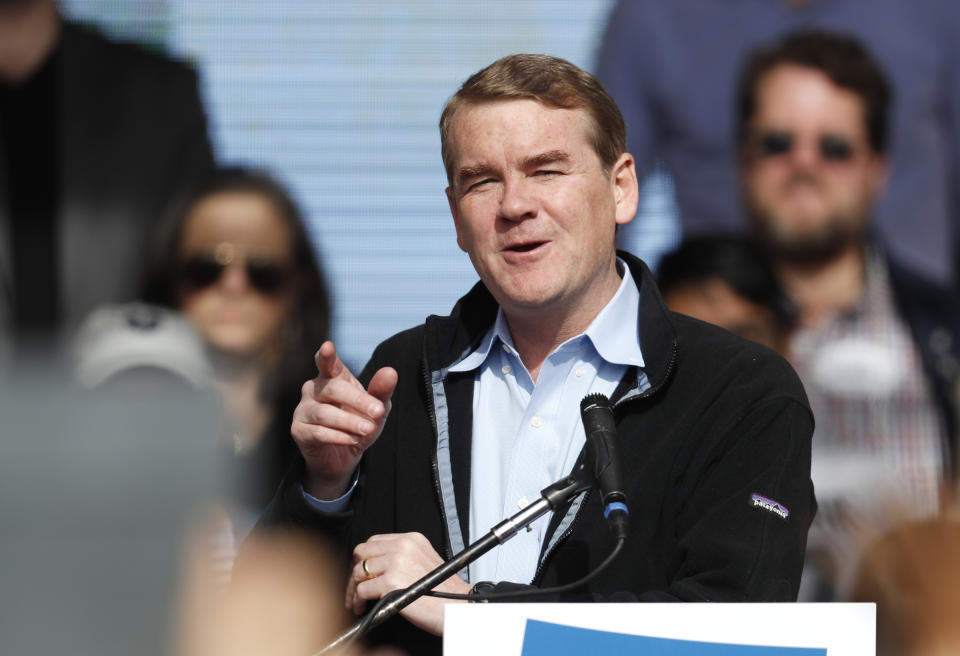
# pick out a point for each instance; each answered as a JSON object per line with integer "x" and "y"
{"x": 328, "y": 362}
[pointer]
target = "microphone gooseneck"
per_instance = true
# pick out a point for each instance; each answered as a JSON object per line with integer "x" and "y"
{"x": 601, "y": 467}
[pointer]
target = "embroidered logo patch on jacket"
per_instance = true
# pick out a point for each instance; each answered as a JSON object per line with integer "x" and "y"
{"x": 769, "y": 504}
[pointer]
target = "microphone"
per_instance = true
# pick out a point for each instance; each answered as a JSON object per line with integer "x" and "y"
{"x": 603, "y": 460}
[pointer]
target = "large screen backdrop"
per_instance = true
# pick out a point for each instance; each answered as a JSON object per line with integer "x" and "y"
{"x": 340, "y": 100}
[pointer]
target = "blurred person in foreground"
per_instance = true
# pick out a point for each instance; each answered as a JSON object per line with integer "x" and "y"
{"x": 95, "y": 138}
{"x": 233, "y": 255}
{"x": 726, "y": 280}
{"x": 456, "y": 423}
{"x": 287, "y": 603}
{"x": 89, "y": 563}
{"x": 875, "y": 345}
{"x": 912, "y": 572}
{"x": 148, "y": 362}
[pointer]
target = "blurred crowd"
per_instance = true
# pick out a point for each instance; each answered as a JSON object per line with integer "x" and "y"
{"x": 814, "y": 162}
{"x": 784, "y": 192}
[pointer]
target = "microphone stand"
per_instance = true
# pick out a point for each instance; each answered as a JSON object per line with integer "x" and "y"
{"x": 551, "y": 498}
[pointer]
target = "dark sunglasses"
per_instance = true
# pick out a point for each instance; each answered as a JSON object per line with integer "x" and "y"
{"x": 832, "y": 147}
{"x": 204, "y": 269}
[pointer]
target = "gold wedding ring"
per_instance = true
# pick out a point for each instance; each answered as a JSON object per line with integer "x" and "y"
{"x": 366, "y": 570}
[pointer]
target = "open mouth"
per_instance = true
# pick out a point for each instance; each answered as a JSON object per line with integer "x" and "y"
{"x": 524, "y": 248}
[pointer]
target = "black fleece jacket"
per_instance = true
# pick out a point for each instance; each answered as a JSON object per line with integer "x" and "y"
{"x": 725, "y": 421}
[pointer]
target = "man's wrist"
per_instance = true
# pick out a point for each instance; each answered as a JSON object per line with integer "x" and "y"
{"x": 335, "y": 505}
{"x": 324, "y": 488}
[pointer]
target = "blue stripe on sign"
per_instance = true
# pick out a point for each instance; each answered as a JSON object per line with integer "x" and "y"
{"x": 547, "y": 639}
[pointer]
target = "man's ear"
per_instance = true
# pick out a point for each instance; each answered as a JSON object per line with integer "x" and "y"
{"x": 455, "y": 213}
{"x": 623, "y": 178}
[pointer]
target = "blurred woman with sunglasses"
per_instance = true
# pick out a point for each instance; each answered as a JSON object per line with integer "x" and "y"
{"x": 234, "y": 256}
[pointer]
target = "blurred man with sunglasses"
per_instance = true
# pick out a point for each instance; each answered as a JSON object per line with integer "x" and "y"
{"x": 876, "y": 346}
{"x": 672, "y": 69}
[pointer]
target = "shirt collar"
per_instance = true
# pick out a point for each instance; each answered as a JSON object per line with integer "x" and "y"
{"x": 606, "y": 332}
{"x": 876, "y": 296}
{"x": 497, "y": 332}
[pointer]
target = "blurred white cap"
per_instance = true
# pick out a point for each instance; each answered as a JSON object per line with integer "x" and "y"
{"x": 117, "y": 338}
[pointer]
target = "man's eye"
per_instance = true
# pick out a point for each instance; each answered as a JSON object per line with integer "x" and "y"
{"x": 479, "y": 183}
{"x": 547, "y": 172}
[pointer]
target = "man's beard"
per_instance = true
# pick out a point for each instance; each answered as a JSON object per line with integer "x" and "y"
{"x": 809, "y": 247}
{"x": 816, "y": 247}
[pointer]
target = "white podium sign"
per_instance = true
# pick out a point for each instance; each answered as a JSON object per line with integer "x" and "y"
{"x": 660, "y": 629}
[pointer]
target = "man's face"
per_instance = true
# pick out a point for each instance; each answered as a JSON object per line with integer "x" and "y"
{"x": 534, "y": 208}
{"x": 809, "y": 174}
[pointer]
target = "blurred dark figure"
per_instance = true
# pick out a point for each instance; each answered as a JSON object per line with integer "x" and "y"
{"x": 122, "y": 555}
{"x": 95, "y": 137}
{"x": 100, "y": 484}
{"x": 876, "y": 346}
{"x": 913, "y": 575}
{"x": 233, "y": 256}
{"x": 727, "y": 281}
{"x": 672, "y": 67}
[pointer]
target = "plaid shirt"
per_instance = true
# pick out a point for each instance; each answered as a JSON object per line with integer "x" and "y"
{"x": 869, "y": 394}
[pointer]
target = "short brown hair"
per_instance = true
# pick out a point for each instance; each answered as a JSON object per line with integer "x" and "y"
{"x": 841, "y": 58}
{"x": 552, "y": 81}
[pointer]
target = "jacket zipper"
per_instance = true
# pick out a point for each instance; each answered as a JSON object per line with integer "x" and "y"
{"x": 653, "y": 390}
{"x": 431, "y": 411}
{"x": 647, "y": 393}
{"x": 560, "y": 540}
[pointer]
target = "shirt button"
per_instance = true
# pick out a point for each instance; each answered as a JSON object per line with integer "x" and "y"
{"x": 579, "y": 372}
{"x": 535, "y": 422}
{"x": 505, "y": 348}
{"x": 506, "y": 369}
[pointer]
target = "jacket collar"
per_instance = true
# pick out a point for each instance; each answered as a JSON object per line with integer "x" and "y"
{"x": 659, "y": 339}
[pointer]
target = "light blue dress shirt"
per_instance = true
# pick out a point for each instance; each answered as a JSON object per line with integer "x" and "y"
{"x": 527, "y": 435}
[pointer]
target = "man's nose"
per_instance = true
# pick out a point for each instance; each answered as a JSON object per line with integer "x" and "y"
{"x": 518, "y": 202}
{"x": 805, "y": 153}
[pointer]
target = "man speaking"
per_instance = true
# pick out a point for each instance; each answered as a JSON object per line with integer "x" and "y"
{"x": 458, "y": 423}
